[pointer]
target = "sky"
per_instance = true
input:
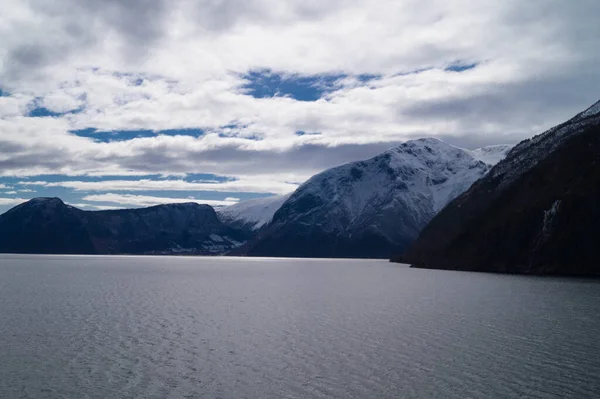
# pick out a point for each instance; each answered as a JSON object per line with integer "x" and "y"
{"x": 128, "y": 103}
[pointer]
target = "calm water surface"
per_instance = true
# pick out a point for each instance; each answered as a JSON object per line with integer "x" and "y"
{"x": 164, "y": 327}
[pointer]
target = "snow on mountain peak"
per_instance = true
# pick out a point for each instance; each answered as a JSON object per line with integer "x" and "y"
{"x": 425, "y": 174}
{"x": 491, "y": 154}
{"x": 373, "y": 207}
{"x": 438, "y": 171}
{"x": 593, "y": 110}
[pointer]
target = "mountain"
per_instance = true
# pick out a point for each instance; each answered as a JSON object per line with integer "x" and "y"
{"x": 491, "y": 154}
{"x": 252, "y": 214}
{"x": 44, "y": 226}
{"x": 535, "y": 212}
{"x": 48, "y": 225}
{"x": 371, "y": 208}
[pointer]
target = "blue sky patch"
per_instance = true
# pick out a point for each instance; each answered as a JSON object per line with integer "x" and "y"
{"x": 367, "y": 77}
{"x": 205, "y": 178}
{"x": 460, "y": 67}
{"x": 266, "y": 83}
{"x": 182, "y": 132}
{"x": 124, "y": 135}
{"x": 38, "y": 111}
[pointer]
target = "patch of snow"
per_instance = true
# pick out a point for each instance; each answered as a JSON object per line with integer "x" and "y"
{"x": 235, "y": 243}
{"x": 216, "y": 238}
{"x": 549, "y": 216}
{"x": 255, "y": 212}
{"x": 593, "y": 110}
{"x": 491, "y": 154}
{"x": 420, "y": 175}
{"x": 180, "y": 250}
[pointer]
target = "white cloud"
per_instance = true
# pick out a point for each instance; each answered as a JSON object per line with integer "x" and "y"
{"x": 95, "y": 207}
{"x": 10, "y": 192}
{"x": 246, "y": 185}
{"x": 157, "y": 64}
{"x": 63, "y": 101}
{"x": 14, "y": 105}
{"x": 145, "y": 200}
{"x": 12, "y": 201}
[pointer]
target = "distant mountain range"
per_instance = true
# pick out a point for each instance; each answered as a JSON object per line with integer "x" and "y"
{"x": 370, "y": 208}
{"x": 375, "y": 207}
{"x": 48, "y": 225}
{"x": 536, "y": 212}
{"x": 438, "y": 206}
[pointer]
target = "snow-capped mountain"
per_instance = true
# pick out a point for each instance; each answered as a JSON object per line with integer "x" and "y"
{"x": 535, "y": 212}
{"x": 374, "y": 207}
{"x": 252, "y": 214}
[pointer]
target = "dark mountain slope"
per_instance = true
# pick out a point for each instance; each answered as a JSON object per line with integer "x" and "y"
{"x": 173, "y": 228}
{"x": 47, "y": 225}
{"x": 44, "y": 226}
{"x": 536, "y": 212}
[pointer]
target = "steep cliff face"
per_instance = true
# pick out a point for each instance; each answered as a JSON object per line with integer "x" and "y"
{"x": 47, "y": 225}
{"x": 535, "y": 212}
{"x": 374, "y": 207}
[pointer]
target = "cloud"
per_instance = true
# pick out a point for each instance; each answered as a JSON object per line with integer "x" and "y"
{"x": 248, "y": 185}
{"x": 63, "y": 101}
{"x": 144, "y": 200}
{"x": 95, "y": 207}
{"x": 12, "y": 201}
{"x": 484, "y": 73}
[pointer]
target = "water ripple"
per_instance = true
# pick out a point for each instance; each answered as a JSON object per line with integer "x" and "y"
{"x": 160, "y": 327}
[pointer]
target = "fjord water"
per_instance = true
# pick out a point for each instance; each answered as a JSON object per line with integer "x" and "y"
{"x": 174, "y": 327}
